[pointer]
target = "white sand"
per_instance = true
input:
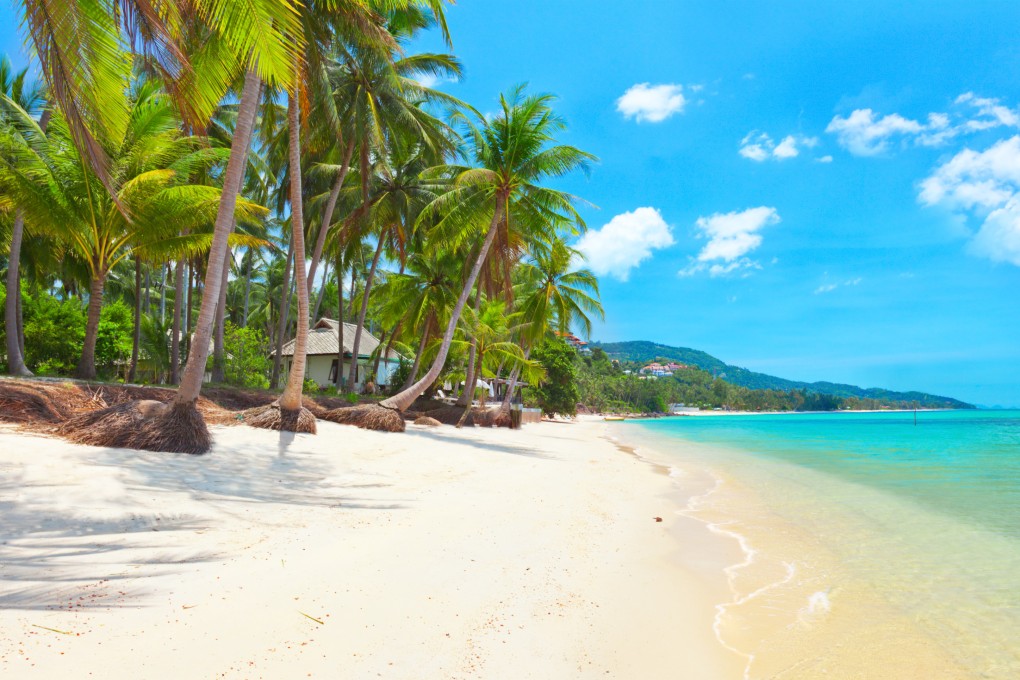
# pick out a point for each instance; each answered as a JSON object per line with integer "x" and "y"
{"x": 433, "y": 554}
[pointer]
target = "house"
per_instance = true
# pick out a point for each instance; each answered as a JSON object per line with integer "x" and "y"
{"x": 577, "y": 343}
{"x": 662, "y": 370}
{"x": 323, "y": 345}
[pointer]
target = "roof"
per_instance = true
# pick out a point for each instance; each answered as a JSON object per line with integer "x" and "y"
{"x": 323, "y": 339}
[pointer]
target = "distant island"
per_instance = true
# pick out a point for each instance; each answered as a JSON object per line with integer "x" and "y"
{"x": 645, "y": 376}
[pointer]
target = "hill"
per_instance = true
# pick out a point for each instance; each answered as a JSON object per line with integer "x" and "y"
{"x": 642, "y": 351}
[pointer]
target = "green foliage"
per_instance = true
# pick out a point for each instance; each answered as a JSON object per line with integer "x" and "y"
{"x": 113, "y": 344}
{"x": 641, "y": 352}
{"x": 309, "y": 386}
{"x": 54, "y": 333}
{"x": 558, "y": 393}
{"x": 399, "y": 375}
{"x": 248, "y": 362}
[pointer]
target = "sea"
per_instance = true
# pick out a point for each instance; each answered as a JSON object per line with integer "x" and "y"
{"x": 871, "y": 545}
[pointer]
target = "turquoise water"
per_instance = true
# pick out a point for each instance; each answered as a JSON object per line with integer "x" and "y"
{"x": 964, "y": 463}
{"x": 910, "y": 530}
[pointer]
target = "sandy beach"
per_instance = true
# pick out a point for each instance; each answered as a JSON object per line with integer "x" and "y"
{"x": 436, "y": 553}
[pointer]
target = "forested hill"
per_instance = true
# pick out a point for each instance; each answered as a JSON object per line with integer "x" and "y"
{"x": 644, "y": 351}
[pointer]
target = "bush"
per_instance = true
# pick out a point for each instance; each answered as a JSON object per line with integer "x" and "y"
{"x": 248, "y": 362}
{"x": 558, "y": 393}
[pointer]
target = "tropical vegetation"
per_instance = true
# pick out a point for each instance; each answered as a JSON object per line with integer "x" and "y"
{"x": 189, "y": 185}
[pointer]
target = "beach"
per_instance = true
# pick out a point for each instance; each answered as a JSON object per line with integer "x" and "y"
{"x": 437, "y": 553}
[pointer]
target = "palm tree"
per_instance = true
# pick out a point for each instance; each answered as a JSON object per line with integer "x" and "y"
{"x": 84, "y": 51}
{"x": 553, "y": 296}
{"x": 513, "y": 152}
{"x": 491, "y": 331}
{"x": 148, "y": 172}
{"x": 18, "y": 101}
{"x": 420, "y": 299}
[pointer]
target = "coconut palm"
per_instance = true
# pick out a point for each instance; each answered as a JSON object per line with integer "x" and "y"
{"x": 149, "y": 170}
{"x": 514, "y": 153}
{"x": 553, "y": 295}
{"x": 492, "y": 331}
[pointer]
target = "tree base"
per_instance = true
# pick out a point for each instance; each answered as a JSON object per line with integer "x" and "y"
{"x": 272, "y": 417}
{"x": 368, "y": 417}
{"x": 145, "y": 425}
{"x": 426, "y": 421}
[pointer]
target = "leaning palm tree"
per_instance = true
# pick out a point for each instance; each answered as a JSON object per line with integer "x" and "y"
{"x": 514, "y": 153}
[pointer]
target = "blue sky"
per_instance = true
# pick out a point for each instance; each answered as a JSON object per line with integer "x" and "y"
{"x": 822, "y": 191}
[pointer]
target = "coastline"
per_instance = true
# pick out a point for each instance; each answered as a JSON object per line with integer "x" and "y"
{"x": 436, "y": 553}
{"x": 797, "y": 608}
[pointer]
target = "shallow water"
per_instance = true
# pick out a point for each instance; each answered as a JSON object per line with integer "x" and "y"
{"x": 873, "y": 547}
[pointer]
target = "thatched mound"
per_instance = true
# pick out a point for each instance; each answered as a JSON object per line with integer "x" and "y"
{"x": 31, "y": 404}
{"x": 499, "y": 417}
{"x": 272, "y": 417}
{"x": 426, "y": 421}
{"x": 368, "y": 417}
{"x": 144, "y": 424}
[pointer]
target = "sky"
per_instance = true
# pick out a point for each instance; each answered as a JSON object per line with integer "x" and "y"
{"x": 820, "y": 191}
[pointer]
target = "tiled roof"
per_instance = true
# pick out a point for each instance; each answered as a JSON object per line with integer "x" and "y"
{"x": 322, "y": 339}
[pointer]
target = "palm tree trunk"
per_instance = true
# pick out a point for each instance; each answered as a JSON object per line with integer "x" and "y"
{"x": 87, "y": 364}
{"x": 247, "y": 288}
{"x": 364, "y": 311}
{"x": 219, "y": 357}
{"x": 189, "y": 280}
{"x": 466, "y": 396}
{"x": 175, "y": 338}
{"x": 136, "y": 338}
{"x": 148, "y": 288}
{"x": 340, "y": 318}
{"x": 284, "y": 321}
{"x": 406, "y": 397}
{"x": 413, "y": 373}
{"x": 162, "y": 295}
{"x": 191, "y": 383}
{"x": 15, "y": 357}
{"x": 469, "y": 389}
{"x": 512, "y": 383}
{"x": 291, "y": 398}
{"x": 327, "y": 214}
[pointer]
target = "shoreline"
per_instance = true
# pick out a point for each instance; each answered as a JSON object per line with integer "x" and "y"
{"x": 800, "y": 609}
{"x": 435, "y": 553}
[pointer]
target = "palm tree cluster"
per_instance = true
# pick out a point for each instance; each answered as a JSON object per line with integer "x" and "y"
{"x": 231, "y": 168}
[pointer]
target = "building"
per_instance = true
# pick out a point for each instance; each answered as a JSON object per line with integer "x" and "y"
{"x": 577, "y": 343}
{"x": 662, "y": 370}
{"x": 323, "y": 345}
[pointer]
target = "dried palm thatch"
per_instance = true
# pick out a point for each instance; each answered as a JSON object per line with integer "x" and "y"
{"x": 27, "y": 404}
{"x": 368, "y": 417}
{"x": 141, "y": 424}
{"x": 426, "y": 421}
{"x": 272, "y": 417}
{"x": 499, "y": 417}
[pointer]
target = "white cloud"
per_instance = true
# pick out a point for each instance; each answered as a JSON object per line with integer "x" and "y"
{"x": 758, "y": 146}
{"x": 430, "y": 80}
{"x": 865, "y": 133}
{"x": 829, "y": 287}
{"x": 824, "y": 159}
{"x": 645, "y": 102}
{"x": 862, "y": 134}
{"x": 626, "y": 241}
{"x": 731, "y": 236}
{"x": 986, "y": 183}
